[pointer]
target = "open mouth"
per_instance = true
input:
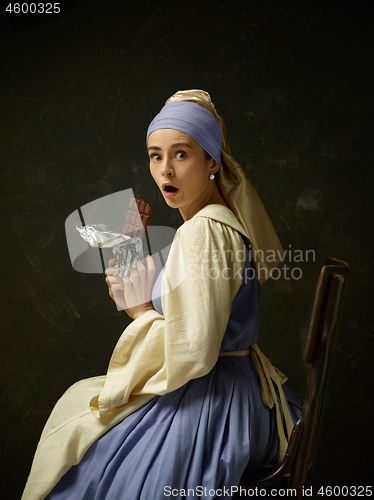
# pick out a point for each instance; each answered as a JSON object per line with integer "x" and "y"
{"x": 169, "y": 190}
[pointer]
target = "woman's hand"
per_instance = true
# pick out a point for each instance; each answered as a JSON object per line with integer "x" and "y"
{"x": 135, "y": 297}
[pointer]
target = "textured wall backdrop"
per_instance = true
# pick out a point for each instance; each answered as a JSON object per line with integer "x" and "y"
{"x": 293, "y": 81}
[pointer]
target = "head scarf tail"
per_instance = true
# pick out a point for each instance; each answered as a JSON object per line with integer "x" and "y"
{"x": 241, "y": 196}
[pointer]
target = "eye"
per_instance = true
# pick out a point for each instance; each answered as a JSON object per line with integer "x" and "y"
{"x": 181, "y": 155}
{"x": 155, "y": 157}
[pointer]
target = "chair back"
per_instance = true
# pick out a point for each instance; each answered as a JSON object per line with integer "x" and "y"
{"x": 318, "y": 352}
{"x": 296, "y": 468}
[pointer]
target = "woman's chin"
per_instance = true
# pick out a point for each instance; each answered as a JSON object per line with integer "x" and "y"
{"x": 171, "y": 202}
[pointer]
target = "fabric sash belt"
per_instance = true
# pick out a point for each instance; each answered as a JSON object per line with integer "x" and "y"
{"x": 269, "y": 374}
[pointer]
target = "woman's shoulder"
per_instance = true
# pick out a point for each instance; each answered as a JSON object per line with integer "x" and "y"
{"x": 215, "y": 226}
{"x": 213, "y": 218}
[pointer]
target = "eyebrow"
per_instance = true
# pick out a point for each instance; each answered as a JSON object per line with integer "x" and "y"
{"x": 175, "y": 145}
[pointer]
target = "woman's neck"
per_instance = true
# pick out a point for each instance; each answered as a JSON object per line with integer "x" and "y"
{"x": 214, "y": 199}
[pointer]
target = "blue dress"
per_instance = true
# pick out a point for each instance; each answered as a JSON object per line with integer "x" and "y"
{"x": 199, "y": 437}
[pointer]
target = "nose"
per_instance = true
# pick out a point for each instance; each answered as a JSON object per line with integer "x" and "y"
{"x": 167, "y": 169}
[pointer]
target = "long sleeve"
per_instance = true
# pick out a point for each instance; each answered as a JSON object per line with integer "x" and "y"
{"x": 158, "y": 354}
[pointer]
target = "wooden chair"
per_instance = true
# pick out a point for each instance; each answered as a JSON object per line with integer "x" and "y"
{"x": 296, "y": 469}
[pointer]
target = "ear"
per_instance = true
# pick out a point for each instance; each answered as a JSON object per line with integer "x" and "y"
{"x": 214, "y": 166}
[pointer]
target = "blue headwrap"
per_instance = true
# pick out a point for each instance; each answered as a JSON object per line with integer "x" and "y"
{"x": 193, "y": 120}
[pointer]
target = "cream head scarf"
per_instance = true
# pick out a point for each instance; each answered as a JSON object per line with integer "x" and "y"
{"x": 236, "y": 188}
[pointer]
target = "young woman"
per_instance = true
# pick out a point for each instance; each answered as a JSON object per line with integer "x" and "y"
{"x": 188, "y": 400}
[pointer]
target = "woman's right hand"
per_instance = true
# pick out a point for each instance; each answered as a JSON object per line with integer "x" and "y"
{"x": 135, "y": 295}
{"x": 115, "y": 284}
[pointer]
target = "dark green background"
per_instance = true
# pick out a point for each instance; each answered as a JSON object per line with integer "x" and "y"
{"x": 293, "y": 81}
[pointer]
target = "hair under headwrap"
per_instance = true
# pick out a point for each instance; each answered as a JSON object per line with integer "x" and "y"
{"x": 237, "y": 190}
{"x": 193, "y": 120}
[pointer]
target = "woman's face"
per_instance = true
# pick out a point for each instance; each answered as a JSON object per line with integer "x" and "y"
{"x": 181, "y": 170}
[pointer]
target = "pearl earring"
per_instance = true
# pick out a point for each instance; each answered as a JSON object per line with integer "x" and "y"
{"x": 211, "y": 176}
